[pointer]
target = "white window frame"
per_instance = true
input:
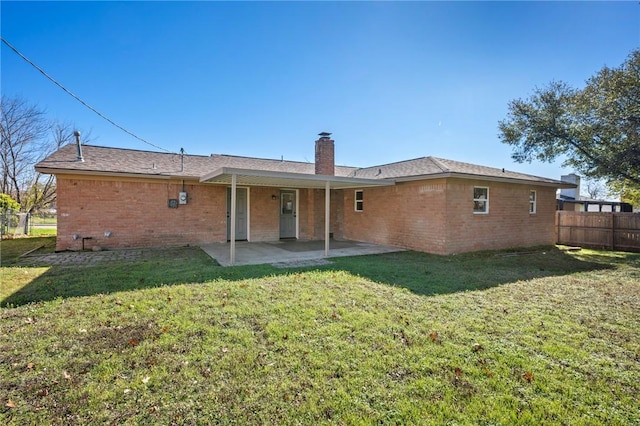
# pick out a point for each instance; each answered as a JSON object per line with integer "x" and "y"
{"x": 533, "y": 202}
{"x": 486, "y": 201}
{"x": 356, "y": 201}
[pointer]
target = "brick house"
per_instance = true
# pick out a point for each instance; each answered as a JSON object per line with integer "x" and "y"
{"x": 112, "y": 197}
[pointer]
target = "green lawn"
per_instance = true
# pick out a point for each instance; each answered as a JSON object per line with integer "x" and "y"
{"x": 11, "y": 250}
{"x": 536, "y": 337}
{"x": 36, "y": 231}
{"x": 44, "y": 220}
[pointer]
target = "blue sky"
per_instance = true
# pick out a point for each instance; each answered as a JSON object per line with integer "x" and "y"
{"x": 391, "y": 80}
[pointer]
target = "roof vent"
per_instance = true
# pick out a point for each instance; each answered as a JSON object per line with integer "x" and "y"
{"x": 79, "y": 145}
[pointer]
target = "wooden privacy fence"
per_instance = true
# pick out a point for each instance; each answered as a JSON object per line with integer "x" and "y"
{"x": 606, "y": 230}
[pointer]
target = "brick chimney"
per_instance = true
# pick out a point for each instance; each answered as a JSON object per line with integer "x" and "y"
{"x": 325, "y": 157}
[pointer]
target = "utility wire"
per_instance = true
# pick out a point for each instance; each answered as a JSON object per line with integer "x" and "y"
{"x": 77, "y": 98}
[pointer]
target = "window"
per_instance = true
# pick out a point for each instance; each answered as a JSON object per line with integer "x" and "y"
{"x": 359, "y": 200}
{"x": 480, "y": 199}
{"x": 532, "y": 202}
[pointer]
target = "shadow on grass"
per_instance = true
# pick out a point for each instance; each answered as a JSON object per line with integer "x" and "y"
{"x": 421, "y": 273}
{"x": 427, "y": 274}
{"x": 11, "y": 249}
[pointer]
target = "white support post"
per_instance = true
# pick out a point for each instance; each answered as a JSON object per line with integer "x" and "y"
{"x": 232, "y": 230}
{"x": 327, "y": 213}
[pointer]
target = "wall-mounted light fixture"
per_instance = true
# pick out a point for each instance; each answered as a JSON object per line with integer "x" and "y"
{"x": 274, "y": 197}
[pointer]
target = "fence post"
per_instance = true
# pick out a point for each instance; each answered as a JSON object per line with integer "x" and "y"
{"x": 613, "y": 231}
{"x": 571, "y": 234}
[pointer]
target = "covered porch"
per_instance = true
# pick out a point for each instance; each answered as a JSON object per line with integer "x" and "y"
{"x": 290, "y": 253}
{"x": 234, "y": 178}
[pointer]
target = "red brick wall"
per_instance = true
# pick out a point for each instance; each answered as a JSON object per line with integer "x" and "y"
{"x": 337, "y": 214}
{"x": 314, "y": 214}
{"x": 408, "y": 215}
{"x": 436, "y": 216}
{"x": 265, "y": 214}
{"x": 508, "y": 223}
{"x": 265, "y": 219}
{"x": 135, "y": 211}
{"x": 318, "y": 215}
{"x": 305, "y": 214}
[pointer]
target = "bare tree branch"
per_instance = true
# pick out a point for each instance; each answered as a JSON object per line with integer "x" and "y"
{"x": 23, "y": 130}
{"x": 27, "y": 138}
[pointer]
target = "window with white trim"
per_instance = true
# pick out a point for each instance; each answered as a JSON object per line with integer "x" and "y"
{"x": 358, "y": 200}
{"x": 480, "y": 200}
{"x": 532, "y": 201}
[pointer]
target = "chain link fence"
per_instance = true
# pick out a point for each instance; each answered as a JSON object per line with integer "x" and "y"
{"x": 16, "y": 224}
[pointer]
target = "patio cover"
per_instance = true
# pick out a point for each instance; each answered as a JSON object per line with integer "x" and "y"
{"x": 248, "y": 177}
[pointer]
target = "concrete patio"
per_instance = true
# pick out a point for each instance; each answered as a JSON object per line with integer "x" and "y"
{"x": 287, "y": 253}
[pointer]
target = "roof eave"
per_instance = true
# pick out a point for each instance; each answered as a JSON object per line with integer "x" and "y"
{"x": 287, "y": 179}
{"x": 553, "y": 184}
{"x": 59, "y": 171}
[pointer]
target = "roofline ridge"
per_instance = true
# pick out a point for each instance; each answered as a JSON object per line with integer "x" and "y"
{"x": 275, "y": 160}
{"x": 478, "y": 165}
{"x": 438, "y": 162}
{"x": 503, "y": 170}
{"x": 261, "y": 158}
{"x": 392, "y": 163}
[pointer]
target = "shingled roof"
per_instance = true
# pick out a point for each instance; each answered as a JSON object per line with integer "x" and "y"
{"x": 119, "y": 161}
{"x": 129, "y": 162}
{"x": 432, "y": 167}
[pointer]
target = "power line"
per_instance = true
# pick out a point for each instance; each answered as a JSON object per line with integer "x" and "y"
{"x": 77, "y": 98}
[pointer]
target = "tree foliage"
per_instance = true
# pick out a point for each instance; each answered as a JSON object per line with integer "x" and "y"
{"x": 596, "y": 128}
{"x": 627, "y": 192}
{"x": 8, "y": 203}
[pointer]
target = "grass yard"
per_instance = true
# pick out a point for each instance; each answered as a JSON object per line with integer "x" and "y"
{"x": 542, "y": 337}
{"x": 44, "y": 220}
{"x": 42, "y": 231}
{"x": 11, "y": 250}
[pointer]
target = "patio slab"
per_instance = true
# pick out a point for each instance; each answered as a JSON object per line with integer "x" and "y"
{"x": 290, "y": 253}
{"x": 92, "y": 258}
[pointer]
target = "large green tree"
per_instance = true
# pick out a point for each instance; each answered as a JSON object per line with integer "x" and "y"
{"x": 627, "y": 192}
{"x": 596, "y": 129}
